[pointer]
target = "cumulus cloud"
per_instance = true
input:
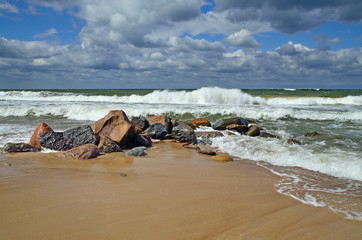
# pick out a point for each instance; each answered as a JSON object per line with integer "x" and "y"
{"x": 243, "y": 38}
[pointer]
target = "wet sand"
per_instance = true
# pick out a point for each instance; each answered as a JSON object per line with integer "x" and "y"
{"x": 172, "y": 193}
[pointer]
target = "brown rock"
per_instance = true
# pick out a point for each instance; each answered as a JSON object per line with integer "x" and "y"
{"x": 116, "y": 126}
{"x": 224, "y": 158}
{"x": 200, "y": 122}
{"x": 253, "y": 131}
{"x": 312, "y": 134}
{"x": 209, "y": 134}
{"x": 207, "y": 149}
{"x": 86, "y": 151}
{"x": 138, "y": 130}
{"x": 237, "y": 127}
{"x": 41, "y": 128}
{"x": 165, "y": 121}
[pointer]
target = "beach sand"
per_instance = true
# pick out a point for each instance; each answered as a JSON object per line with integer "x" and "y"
{"x": 172, "y": 193}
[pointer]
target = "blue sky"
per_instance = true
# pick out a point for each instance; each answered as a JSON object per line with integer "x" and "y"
{"x": 180, "y": 44}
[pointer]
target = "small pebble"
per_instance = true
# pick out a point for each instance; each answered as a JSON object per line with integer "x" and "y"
{"x": 123, "y": 175}
{"x": 8, "y": 164}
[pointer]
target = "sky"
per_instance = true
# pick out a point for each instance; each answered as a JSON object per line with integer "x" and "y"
{"x": 180, "y": 44}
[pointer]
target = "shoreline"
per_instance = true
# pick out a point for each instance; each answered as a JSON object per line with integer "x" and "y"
{"x": 172, "y": 193}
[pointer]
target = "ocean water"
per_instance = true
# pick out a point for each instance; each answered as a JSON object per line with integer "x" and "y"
{"x": 324, "y": 171}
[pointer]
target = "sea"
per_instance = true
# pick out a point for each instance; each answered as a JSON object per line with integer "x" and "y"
{"x": 324, "y": 170}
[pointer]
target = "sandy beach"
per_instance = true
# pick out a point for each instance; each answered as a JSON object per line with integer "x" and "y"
{"x": 172, "y": 193}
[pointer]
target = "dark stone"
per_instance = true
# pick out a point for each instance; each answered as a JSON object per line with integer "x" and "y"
{"x": 222, "y": 124}
{"x": 292, "y": 141}
{"x": 184, "y": 133}
{"x": 253, "y": 131}
{"x": 62, "y": 141}
{"x": 140, "y": 122}
{"x": 19, "y": 147}
{"x": 137, "y": 151}
{"x": 122, "y": 174}
{"x": 156, "y": 131}
{"x": 209, "y": 134}
{"x": 106, "y": 145}
{"x": 142, "y": 141}
{"x": 267, "y": 135}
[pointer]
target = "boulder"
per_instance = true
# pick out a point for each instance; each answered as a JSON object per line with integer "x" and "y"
{"x": 86, "y": 151}
{"x": 137, "y": 151}
{"x": 19, "y": 147}
{"x": 147, "y": 136}
{"x": 140, "y": 122}
{"x": 267, "y": 135}
{"x": 207, "y": 149}
{"x": 156, "y": 131}
{"x": 222, "y": 124}
{"x": 142, "y": 141}
{"x": 223, "y": 158}
{"x": 165, "y": 121}
{"x": 106, "y": 145}
{"x": 116, "y": 126}
{"x": 62, "y": 141}
{"x": 184, "y": 133}
{"x": 253, "y": 131}
{"x": 41, "y": 128}
{"x": 200, "y": 122}
{"x": 237, "y": 127}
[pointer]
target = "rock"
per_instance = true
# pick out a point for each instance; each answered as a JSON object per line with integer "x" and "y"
{"x": 19, "y": 147}
{"x": 86, "y": 151}
{"x": 224, "y": 158}
{"x": 222, "y": 124}
{"x": 62, "y": 141}
{"x": 312, "y": 134}
{"x": 267, "y": 135}
{"x": 106, "y": 145}
{"x": 138, "y": 130}
{"x": 156, "y": 131}
{"x": 165, "y": 121}
{"x": 7, "y": 164}
{"x": 35, "y": 139}
{"x": 207, "y": 149}
{"x": 142, "y": 141}
{"x": 292, "y": 141}
{"x": 145, "y": 135}
{"x": 237, "y": 127}
{"x": 175, "y": 122}
{"x": 200, "y": 122}
{"x": 184, "y": 133}
{"x": 137, "y": 151}
{"x": 187, "y": 124}
{"x": 140, "y": 122}
{"x": 253, "y": 131}
{"x": 209, "y": 134}
{"x": 116, "y": 126}
{"x": 191, "y": 146}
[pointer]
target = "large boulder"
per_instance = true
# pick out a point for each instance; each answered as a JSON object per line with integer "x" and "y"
{"x": 222, "y": 124}
{"x": 116, "y": 126}
{"x": 106, "y": 145}
{"x": 19, "y": 147}
{"x": 140, "y": 122}
{"x": 184, "y": 133}
{"x": 156, "y": 131}
{"x": 62, "y": 141}
{"x": 35, "y": 139}
{"x": 165, "y": 121}
{"x": 86, "y": 151}
{"x": 200, "y": 122}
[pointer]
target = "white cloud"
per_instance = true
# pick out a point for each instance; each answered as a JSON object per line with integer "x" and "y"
{"x": 335, "y": 40}
{"x": 49, "y": 33}
{"x": 7, "y": 7}
{"x": 243, "y": 38}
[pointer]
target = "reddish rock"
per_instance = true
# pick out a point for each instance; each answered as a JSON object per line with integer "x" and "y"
{"x": 41, "y": 128}
{"x": 86, "y": 151}
{"x": 184, "y": 144}
{"x": 116, "y": 126}
{"x": 292, "y": 141}
{"x": 165, "y": 121}
{"x": 200, "y": 122}
{"x": 138, "y": 130}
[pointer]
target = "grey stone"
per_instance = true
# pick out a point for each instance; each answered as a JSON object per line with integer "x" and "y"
{"x": 137, "y": 151}
{"x": 222, "y": 124}
{"x": 19, "y": 147}
{"x": 184, "y": 133}
{"x": 156, "y": 131}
